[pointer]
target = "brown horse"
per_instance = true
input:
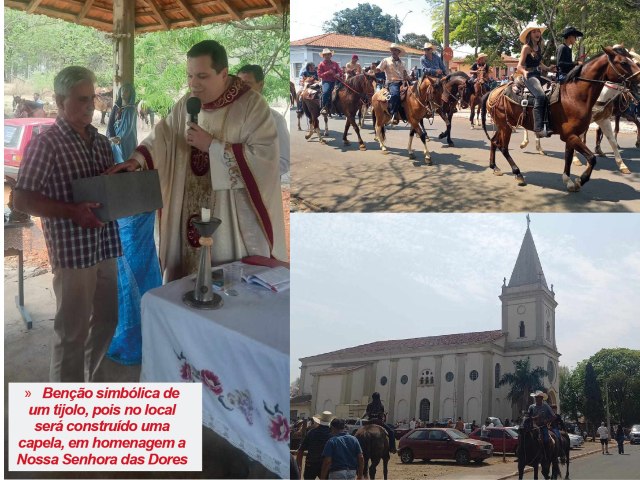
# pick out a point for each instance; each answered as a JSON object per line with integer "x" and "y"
{"x": 374, "y": 443}
{"x": 293, "y": 96}
{"x": 480, "y": 88}
{"x": 29, "y": 109}
{"x": 355, "y": 92}
{"x": 569, "y": 117}
{"x": 416, "y": 104}
{"x": 103, "y": 102}
{"x": 310, "y": 100}
{"x": 447, "y": 94}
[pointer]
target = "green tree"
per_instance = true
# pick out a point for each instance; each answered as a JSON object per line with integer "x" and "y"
{"x": 593, "y": 406}
{"x": 365, "y": 20}
{"x": 523, "y": 381}
{"x": 417, "y": 41}
{"x": 570, "y": 394}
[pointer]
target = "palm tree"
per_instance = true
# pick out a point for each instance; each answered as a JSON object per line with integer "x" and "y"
{"x": 523, "y": 381}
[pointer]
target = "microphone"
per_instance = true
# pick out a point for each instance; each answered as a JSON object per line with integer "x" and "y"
{"x": 193, "y": 108}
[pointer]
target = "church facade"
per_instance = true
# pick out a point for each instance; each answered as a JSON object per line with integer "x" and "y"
{"x": 432, "y": 378}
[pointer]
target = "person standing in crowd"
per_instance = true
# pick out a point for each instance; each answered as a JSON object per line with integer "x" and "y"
{"x": 342, "y": 454}
{"x": 412, "y": 424}
{"x": 603, "y": 432}
{"x": 253, "y": 75}
{"x": 570, "y": 35}
{"x": 396, "y": 73}
{"x": 82, "y": 249}
{"x": 460, "y": 425}
{"x": 231, "y": 158}
{"x": 313, "y": 443}
{"x": 431, "y": 63}
{"x": 328, "y": 71}
{"x": 620, "y": 439}
{"x": 531, "y": 67}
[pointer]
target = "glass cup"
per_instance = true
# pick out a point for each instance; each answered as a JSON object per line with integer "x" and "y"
{"x": 232, "y": 278}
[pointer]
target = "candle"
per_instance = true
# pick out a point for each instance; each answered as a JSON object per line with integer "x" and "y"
{"x": 206, "y": 215}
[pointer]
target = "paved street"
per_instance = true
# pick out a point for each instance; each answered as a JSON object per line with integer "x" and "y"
{"x": 598, "y": 466}
{"x": 335, "y": 178}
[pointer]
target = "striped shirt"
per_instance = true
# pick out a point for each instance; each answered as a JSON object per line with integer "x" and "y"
{"x": 52, "y": 161}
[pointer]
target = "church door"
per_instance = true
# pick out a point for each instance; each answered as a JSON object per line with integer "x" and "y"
{"x": 425, "y": 408}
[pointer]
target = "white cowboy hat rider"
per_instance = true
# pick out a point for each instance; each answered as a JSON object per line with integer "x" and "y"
{"x": 539, "y": 393}
{"x": 528, "y": 29}
{"x": 395, "y": 46}
{"x": 324, "y": 418}
{"x": 326, "y": 51}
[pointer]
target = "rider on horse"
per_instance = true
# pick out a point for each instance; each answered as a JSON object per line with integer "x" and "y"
{"x": 530, "y": 66}
{"x": 352, "y": 68}
{"x": 431, "y": 63}
{"x": 481, "y": 64}
{"x": 541, "y": 414}
{"x": 375, "y": 413}
{"x": 328, "y": 71}
{"x": 396, "y": 73}
{"x": 556, "y": 425}
{"x": 565, "y": 59}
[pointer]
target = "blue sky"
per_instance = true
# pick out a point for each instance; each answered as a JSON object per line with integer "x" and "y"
{"x": 360, "y": 278}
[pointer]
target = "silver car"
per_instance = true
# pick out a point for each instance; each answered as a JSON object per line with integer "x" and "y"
{"x": 575, "y": 440}
{"x": 634, "y": 434}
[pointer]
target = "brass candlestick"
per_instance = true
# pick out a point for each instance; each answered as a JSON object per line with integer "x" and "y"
{"x": 202, "y": 296}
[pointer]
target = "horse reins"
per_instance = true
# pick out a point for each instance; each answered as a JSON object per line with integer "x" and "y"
{"x": 360, "y": 94}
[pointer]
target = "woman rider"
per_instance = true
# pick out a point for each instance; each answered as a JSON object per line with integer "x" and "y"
{"x": 530, "y": 66}
{"x": 375, "y": 414}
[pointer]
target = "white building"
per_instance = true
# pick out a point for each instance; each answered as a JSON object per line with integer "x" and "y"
{"x": 456, "y": 375}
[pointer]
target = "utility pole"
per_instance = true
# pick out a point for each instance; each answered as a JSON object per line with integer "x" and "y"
{"x": 446, "y": 29}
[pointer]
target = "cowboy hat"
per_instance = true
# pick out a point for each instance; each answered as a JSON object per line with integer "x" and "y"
{"x": 395, "y": 46}
{"x": 528, "y": 29}
{"x": 539, "y": 393}
{"x": 326, "y": 51}
{"x": 480, "y": 55}
{"x": 428, "y": 45}
{"x": 571, "y": 30}
{"x": 324, "y": 418}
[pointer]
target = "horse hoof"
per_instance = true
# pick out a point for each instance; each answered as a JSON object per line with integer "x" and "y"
{"x": 442, "y": 135}
{"x": 299, "y": 129}
{"x": 541, "y": 152}
{"x": 428, "y": 161}
{"x": 473, "y": 127}
{"x": 385, "y": 152}
{"x": 522, "y": 145}
{"x": 450, "y": 144}
{"x": 625, "y": 170}
{"x": 307, "y": 137}
{"x": 600, "y": 152}
{"x": 497, "y": 172}
{"x": 346, "y": 143}
{"x": 363, "y": 147}
{"x": 520, "y": 180}
{"x": 412, "y": 156}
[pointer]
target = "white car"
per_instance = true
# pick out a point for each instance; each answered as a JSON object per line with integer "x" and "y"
{"x": 576, "y": 440}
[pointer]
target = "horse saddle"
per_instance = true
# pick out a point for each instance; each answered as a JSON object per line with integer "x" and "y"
{"x": 383, "y": 93}
{"x": 403, "y": 91}
{"x": 518, "y": 92}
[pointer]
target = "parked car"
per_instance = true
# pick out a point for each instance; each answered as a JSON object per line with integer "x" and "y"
{"x": 442, "y": 444}
{"x": 498, "y": 436}
{"x": 575, "y": 440}
{"x": 353, "y": 424}
{"x": 18, "y": 132}
{"x": 496, "y": 421}
{"x": 467, "y": 428}
{"x": 634, "y": 434}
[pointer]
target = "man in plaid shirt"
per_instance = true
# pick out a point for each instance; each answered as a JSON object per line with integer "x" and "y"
{"x": 82, "y": 250}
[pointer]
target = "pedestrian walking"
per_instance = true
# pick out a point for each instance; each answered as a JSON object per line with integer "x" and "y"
{"x": 604, "y": 438}
{"x": 620, "y": 439}
{"x": 314, "y": 442}
{"x": 342, "y": 454}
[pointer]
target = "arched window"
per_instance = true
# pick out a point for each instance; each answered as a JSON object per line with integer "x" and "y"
{"x": 425, "y": 408}
{"x": 521, "y": 329}
{"x": 497, "y": 375}
{"x": 426, "y": 377}
{"x": 548, "y": 332}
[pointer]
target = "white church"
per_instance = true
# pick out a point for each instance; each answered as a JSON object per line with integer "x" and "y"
{"x": 457, "y": 375}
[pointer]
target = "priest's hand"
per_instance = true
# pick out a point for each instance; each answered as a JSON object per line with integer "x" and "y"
{"x": 130, "y": 165}
{"x": 199, "y": 138}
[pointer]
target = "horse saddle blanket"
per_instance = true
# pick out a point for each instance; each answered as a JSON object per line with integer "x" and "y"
{"x": 520, "y": 94}
{"x": 383, "y": 95}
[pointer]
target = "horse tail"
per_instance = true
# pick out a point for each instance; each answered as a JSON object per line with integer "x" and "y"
{"x": 484, "y": 100}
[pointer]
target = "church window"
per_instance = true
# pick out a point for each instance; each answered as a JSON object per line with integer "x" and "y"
{"x": 548, "y": 332}
{"x": 449, "y": 377}
{"x": 473, "y": 375}
{"x": 521, "y": 329}
{"x": 404, "y": 379}
{"x": 425, "y": 408}
{"x": 497, "y": 375}
{"x": 383, "y": 381}
{"x": 551, "y": 371}
{"x": 426, "y": 377}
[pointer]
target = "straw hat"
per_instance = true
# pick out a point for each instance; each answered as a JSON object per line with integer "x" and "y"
{"x": 324, "y": 418}
{"x": 528, "y": 29}
{"x": 539, "y": 393}
{"x": 395, "y": 46}
{"x": 326, "y": 51}
{"x": 428, "y": 45}
{"x": 482, "y": 55}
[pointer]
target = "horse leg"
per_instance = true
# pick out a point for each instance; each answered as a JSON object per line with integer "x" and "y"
{"x": 566, "y": 174}
{"x": 472, "y": 113}
{"x": 618, "y": 129}
{"x": 326, "y": 125}
{"x": 605, "y": 128}
{"x": 346, "y": 129}
{"x": 576, "y": 160}
{"x": 504, "y": 148}
{"x": 423, "y": 137}
{"x": 299, "y": 115}
{"x": 575, "y": 143}
{"x": 449, "y": 141}
{"x": 411, "y": 134}
{"x": 492, "y": 155}
{"x": 525, "y": 140}
{"x": 352, "y": 119}
{"x": 598, "y": 150}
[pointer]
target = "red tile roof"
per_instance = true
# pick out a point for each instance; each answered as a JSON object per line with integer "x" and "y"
{"x": 350, "y": 42}
{"x": 392, "y": 347}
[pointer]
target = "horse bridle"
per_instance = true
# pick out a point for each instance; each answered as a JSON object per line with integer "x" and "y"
{"x": 624, "y": 79}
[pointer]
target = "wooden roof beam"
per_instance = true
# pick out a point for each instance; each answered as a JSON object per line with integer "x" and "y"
{"x": 156, "y": 9}
{"x": 85, "y": 8}
{"x": 276, "y": 5}
{"x": 235, "y": 15}
{"x": 189, "y": 12}
{"x": 33, "y": 4}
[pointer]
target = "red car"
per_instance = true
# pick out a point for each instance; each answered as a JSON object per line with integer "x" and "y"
{"x": 18, "y": 132}
{"x": 442, "y": 443}
{"x": 498, "y": 436}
